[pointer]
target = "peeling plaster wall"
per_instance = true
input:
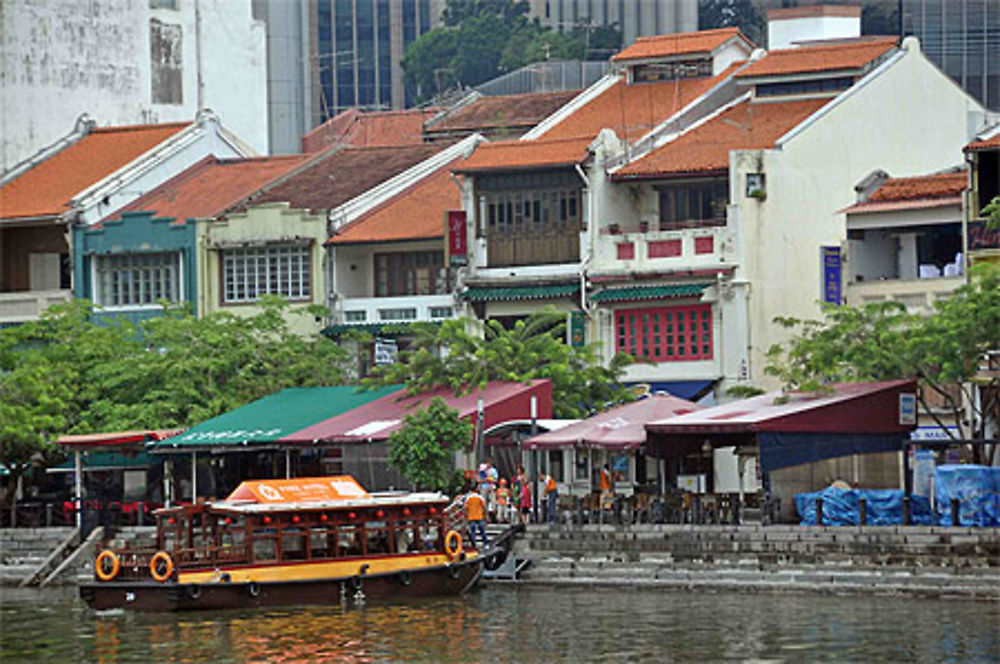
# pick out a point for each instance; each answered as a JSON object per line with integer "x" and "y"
{"x": 62, "y": 58}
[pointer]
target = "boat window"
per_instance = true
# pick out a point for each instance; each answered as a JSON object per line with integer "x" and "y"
{"x": 407, "y": 537}
{"x": 231, "y": 537}
{"x": 321, "y": 542}
{"x": 293, "y": 544}
{"x": 378, "y": 537}
{"x": 349, "y": 540}
{"x": 265, "y": 542}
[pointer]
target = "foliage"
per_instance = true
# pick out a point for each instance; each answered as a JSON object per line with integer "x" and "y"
{"x": 464, "y": 354}
{"x": 882, "y": 341}
{"x": 72, "y": 372}
{"x": 743, "y": 391}
{"x": 423, "y": 449}
{"x": 742, "y": 14}
{"x": 992, "y": 214}
{"x": 481, "y": 39}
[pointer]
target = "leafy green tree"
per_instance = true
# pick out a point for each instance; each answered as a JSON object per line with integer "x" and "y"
{"x": 742, "y": 14}
{"x": 458, "y": 11}
{"x": 992, "y": 213}
{"x": 428, "y": 62}
{"x": 423, "y": 449}
{"x": 882, "y": 341}
{"x": 465, "y": 354}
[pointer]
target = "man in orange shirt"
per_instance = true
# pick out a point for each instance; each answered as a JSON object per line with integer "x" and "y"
{"x": 475, "y": 514}
{"x": 551, "y": 492}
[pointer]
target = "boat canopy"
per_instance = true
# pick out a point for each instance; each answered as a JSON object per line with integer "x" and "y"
{"x": 299, "y": 490}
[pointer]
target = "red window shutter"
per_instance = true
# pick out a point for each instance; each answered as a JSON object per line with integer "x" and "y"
{"x": 704, "y": 245}
{"x": 626, "y": 251}
{"x": 665, "y": 249}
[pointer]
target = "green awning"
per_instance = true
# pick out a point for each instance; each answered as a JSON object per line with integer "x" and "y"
{"x": 664, "y": 292}
{"x": 501, "y": 293}
{"x": 269, "y": 420}
{"x": 94, "y": 461}
{"x": 385, "y": 329}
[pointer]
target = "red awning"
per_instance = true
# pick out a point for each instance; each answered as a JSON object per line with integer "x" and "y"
{"x": 622, "y": 427}
{"x": 870, "y": 408}
{"x": 89, "y": 440}
{"x": 376, "y": 420}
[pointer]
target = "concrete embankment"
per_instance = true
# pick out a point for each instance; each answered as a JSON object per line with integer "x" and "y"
{"x": 910, "y": 560}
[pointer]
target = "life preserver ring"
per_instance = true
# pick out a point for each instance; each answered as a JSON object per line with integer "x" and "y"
{"x": 452, "y": 544}
{"x": 168, "y": 566}
{"x": 105, "y": 556}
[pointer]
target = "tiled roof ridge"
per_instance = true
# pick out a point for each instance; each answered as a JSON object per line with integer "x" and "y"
{"x": 837, "y": 45}
{"x": 139, "y": 127}
{"x": 907, "y": 188}
{"x": 688, "y": 35}
{"x": 541, "y": 140}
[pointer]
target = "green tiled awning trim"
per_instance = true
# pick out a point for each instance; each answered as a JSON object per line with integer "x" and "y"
{"x": 387, "y": 329}
{"x": 666, "y": 292}
{"x": 501, "y": 293}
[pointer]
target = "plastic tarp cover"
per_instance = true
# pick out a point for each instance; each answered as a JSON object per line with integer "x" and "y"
{"x": 842, "y": 507}
{"x": 976, "y": 487}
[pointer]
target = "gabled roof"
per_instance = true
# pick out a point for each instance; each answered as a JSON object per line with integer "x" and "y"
{"x": 682, "y": 43}
{"x": 516, "y": 112}
{"x": 744, "y": 126}
{"x": 922, "y": 191}
{"x": 369, "y": 129}
{"x": 808, "y": 59}
{"x": 526, "y": 155}
{"x": 211, "y": 186}
{"x": 342, "y": 174}
{"x": 415, "y": 214}
{"x": 46, "y": 189}
{"x": 987, "y": 140}
{"x": 632, "y": 110}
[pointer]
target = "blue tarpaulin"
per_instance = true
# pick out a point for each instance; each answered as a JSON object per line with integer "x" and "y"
{"x": 976, "y": 487}
{"x": 781, "y": 450}
{"x": 842, "y": 507}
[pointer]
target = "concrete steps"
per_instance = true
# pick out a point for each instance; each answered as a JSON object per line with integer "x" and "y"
{"x": 22, "y": 550}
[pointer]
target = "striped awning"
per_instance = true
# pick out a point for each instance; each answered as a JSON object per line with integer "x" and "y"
{"x": 660, "y": 292}
{"x": 506, "y": 293}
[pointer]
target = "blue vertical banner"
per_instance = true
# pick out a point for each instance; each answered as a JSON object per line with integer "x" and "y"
{"x": 830, "y": 260}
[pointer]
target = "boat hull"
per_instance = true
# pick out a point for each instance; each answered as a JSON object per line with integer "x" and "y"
{"x": 450, "y": 579}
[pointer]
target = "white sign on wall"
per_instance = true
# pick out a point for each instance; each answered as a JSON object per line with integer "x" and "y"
{"x": 907, "y": 408}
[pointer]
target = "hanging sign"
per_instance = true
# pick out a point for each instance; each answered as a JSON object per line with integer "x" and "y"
{"x": 457, "y": 238}
{"x": 830, "y": 261}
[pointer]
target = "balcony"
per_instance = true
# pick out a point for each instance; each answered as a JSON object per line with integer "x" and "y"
{"x": 23, "y": 306}
{"x": 661, "y": 250}
{"x": 915, "y": 294}
{"x": 395, "y": 310}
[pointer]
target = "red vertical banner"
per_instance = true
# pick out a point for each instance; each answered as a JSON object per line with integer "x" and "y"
{"x": 457, "y": 239}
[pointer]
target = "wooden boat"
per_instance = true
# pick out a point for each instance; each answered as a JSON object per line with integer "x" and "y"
{"x": 321, "y": 540}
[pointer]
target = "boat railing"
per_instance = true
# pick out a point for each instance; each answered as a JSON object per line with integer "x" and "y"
{"x": 455, "y": 515}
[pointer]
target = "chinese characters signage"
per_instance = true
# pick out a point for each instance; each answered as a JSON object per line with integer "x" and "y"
{"x": 457, "y": 237}
{"x": 830, "y": 260}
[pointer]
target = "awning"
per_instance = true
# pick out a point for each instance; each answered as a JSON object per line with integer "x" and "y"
{"x": 98, "y": 461}
{"x": 783, "y": 450}
{"x": 92, "y": 440}
{"x": 622, "y": 427}
{"x": 506, "y": 293}
{"x": 377, "y": 419}
{"x": 661, "y": 292}
{"x": 273, "y": 419}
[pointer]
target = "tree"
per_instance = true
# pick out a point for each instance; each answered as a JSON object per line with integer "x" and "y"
{"x": 742, "y": 14}
{"x": 992, "y": 214}
{"x": 423, "y": 449}
{"x": 428, "y": 61}
{"x": 882, "y": 341}
{"x": 72, "y": 373}
{"x": 458, "y": 11}
{"x": 465, "y": 354}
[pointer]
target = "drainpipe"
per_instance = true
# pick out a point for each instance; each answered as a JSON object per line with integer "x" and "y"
{"x": 194, "y": 477}
{"x": 591, "y": 222}
{"x": 198, "y": 54}
{"x": 78, "y": 472}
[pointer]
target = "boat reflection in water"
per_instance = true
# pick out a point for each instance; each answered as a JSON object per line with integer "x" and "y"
{"x": 321, "y": 540}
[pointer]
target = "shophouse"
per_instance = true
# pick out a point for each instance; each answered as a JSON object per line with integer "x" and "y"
{"x": 78, "y": 181}
{"x": 983, "y": 157}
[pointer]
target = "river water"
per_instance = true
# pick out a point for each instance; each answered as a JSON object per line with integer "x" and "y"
{"x": 514, "y": 624}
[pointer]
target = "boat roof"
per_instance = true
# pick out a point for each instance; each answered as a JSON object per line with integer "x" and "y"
{"x": 387, "y": 499}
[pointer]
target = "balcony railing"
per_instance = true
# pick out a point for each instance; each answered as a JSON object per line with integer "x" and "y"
{"x": 23, "y": 306}
{"x": 632, "y": 250}
{"x": 400, "y": 309}
{"x": 916, "y": 294}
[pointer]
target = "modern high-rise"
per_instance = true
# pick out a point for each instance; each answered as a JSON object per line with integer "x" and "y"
{"x": 635, "y": 18}
{"x": 325, "y": 56}
{"x": 962, "y": 37}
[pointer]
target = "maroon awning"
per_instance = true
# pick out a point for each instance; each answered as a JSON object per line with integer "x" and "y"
{"x": 376, "y": 420}
{"x": 89, "y": 440}
{"x": 622, "y": 427}
{"x": 870, "y": 408}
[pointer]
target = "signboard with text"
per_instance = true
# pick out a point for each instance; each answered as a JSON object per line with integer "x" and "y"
{"x": 981, "y": 237}
{"x": 457, "y": 238}
{"x": 831, "y": 270}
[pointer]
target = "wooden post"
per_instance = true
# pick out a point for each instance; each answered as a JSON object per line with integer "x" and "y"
{"x": 819, "y": 511}
{"x": 863, "y": 512}
{"x": 288, "y": 464}
{"x": 78, "y": 487}
{"x": 194, "y": 477}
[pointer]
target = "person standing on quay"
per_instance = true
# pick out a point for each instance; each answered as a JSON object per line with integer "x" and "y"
{"x": 475, "y": 514}
{"x": 524, "y": 494}
{"x": 552, "y": 497}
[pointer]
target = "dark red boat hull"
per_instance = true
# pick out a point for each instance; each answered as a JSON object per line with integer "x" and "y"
{"x": 451, "y": 579}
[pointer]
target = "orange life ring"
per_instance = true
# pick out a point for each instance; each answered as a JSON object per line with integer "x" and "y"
{"x": 452, "y": 544}
{"x": 168, "y": 566}
{"x": 102, "y": 557}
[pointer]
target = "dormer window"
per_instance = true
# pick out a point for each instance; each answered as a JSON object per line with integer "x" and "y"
{"x": 802, "y": 87}
{"x": 669, "y": 71}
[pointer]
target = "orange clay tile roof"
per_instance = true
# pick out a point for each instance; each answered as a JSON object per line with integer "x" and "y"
{"x": 525, "y": 155}
{"x": 706, "y": 148}
{"x": 826, "y": 57}
{"x": 339, "y": 175}
{"x": 513, "y": 111}
{"x": 991, "y": 143}
{"x": 941, "y": 185}
{"x": 211, "y": 186}
{"x": 415, "y": 214}
{"x": 632, "y": 110}
{"x": 46, "y": 189}
{"x": 370, "y": 129}
{"x": 682, "y": 43}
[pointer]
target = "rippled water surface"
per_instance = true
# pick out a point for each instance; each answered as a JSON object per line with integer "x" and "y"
{"x": 508, "y": 624}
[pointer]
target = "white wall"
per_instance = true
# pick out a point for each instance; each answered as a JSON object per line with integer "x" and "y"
{"x": 62, "y": 58}
{"x": 784, "y": 33}
{"x": 908, "y": 119}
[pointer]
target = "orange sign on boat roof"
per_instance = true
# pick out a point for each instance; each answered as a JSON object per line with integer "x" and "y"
{"x": 300, "y": 490}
